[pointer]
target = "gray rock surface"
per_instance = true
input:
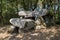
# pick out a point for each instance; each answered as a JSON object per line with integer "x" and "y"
{"x": 22, "y": 23}
{"x": 33, "y": 13}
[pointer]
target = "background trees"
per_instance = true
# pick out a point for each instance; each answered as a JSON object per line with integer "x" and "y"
{"x": 10, "y": 8}
{"x": 28, "y": 5}
{"x": 54, "y": 8}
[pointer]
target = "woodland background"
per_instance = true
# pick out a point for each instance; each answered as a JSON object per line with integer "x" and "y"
{"x": 10, "y": 8}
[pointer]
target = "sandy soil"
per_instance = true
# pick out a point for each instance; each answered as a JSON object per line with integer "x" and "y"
{"x": 52, "y": 33}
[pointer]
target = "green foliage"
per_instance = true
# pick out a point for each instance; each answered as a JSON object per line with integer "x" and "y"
{"x": 28, "y": 4}
{"x": 52, "y": 11}
{"x": 9, "y": 10}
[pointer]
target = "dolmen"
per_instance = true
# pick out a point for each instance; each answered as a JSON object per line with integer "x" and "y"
{"x": 27, "y": 19}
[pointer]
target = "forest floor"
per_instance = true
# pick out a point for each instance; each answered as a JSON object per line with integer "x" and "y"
{"x": 52, "y": 33}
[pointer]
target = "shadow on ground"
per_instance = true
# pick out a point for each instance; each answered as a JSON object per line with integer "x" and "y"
{"x": 52, "y": 33}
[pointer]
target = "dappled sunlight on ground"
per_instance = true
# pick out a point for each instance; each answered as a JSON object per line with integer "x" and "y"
{"x": 52, "y": 33}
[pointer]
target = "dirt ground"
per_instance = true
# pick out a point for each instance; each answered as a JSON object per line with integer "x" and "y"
{"x": 52, "y": 33}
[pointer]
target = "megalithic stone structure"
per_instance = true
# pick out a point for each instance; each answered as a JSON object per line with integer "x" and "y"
{"x": 26, "y": 24}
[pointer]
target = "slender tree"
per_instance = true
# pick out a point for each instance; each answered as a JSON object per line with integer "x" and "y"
{"x": 27, "y": 5}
